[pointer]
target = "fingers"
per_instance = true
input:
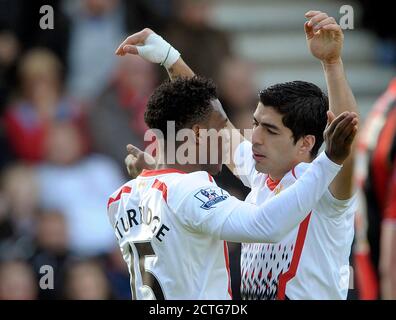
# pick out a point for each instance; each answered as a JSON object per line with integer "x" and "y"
{"x": 134, "y": 151}
{"x": 351, "y": 130}
{"x": 349, "y": 139}
{"x": 133, "y": 40}
{"x": 317, "y": 18}
{"x": 131, "y": 164}
{"x": 311, "y": 13}
{"x": 129, "y": 161}
{"x": 308, "y": 30}
{"x": 330, "y": 117}
{"x": 332, "y": 27}
{"x": 346, "y": 130}
{"x": 130, "y": 49}
{"x": 345, "y": 127}
{"x": 320, "y": 20}
{"x": 331, "y": 128}
{"x": 324, "y": 22}
{"x": 138, "y": 157}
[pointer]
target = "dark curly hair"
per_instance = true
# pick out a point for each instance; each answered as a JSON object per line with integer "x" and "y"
{"x": 183, "y": 100}
{"x": 303, "y": 106}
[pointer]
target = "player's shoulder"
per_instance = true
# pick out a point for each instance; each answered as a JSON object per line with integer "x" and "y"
{"x": 120, "y": 196}
{"x": 185, "y": 185}
{"x": 300, "y": 169}
{"x": 190, "y": 181}
{"x": 126, "y": 188}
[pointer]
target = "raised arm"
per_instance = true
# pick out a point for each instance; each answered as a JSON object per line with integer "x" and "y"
{"x": 325, "y": 40}
{"x": 153, "y": 48}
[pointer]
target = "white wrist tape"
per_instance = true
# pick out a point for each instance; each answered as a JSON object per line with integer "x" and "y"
{"x": 157, "y": 50}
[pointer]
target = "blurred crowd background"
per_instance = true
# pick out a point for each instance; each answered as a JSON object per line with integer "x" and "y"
{"x": 69, "y": 106}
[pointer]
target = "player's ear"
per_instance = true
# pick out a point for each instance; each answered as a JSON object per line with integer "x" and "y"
{"x": 307, "y": 143}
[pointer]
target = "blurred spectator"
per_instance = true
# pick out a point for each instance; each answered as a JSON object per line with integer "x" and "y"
{"x": 237, "y": 91}
{"x": 17, "y": 281}
{"x": 23, "y": 19}
{"x": 154, "y": 14}
{"x": 97, "y": 28}
{"x": 78, "y": 186}
{"x": 18, "y": 209}
{"x": 6, "y": 227}
{"x": 41, "y": 103}
{"x": 52, "y": 250}
{"x": 20, "y": 198}
{"x": 86, "y": 280}
{"x": 118, "y": 275}
{"x": 9, "y": 52}
{"x": 117, "y": 118}
{"x": 9, "y": 14}
{"x": 376, "y": 176}
{"x": 200, "y": 44}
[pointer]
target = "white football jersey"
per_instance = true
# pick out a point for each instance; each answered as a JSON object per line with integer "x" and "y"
{"x": 312, "y": 261}
{"x": 162, "y": 220}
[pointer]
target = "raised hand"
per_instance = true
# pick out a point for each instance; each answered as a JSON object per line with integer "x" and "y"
{"x": 137, "y": 160}
{"x": 324, "y": 36}
{"x": 150, "y": 46}
{"x": 339, "y": 135}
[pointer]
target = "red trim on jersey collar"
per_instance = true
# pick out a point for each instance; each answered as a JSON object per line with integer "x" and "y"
{"x": 150, "y": 173}
{"x": 294, "y": 173}
{"x": 272, "y": 183}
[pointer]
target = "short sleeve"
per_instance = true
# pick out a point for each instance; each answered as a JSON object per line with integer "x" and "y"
{"x": 245, "y": 164}
{"x": 202, "y": 206}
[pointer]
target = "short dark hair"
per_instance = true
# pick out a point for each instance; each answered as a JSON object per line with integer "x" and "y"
{"x": 183, "y": 100}
{"x": 303, "y": 106}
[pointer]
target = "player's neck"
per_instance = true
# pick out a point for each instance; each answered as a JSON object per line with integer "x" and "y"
{"x": 172, "y": 163}
{"x": 277, "y": 176}
{"x": 188, "y": 168}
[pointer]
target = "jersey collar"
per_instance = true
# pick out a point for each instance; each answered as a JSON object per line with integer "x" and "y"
{"x": 150, "y": 173}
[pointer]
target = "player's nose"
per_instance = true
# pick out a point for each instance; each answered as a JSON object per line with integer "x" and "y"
{"x": 257, "y": 136}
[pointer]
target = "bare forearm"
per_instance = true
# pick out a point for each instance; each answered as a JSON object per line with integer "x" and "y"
{"x": 180, "y": 69}
{"x": 341, "y": 97}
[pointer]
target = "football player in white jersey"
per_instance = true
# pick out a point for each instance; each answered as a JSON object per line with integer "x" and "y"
{"x": 311, "y": 261}
{"x": 172, "y": 222}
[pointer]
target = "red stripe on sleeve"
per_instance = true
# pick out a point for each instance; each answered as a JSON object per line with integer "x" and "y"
{"x": 287, "y": 276}
{"x": 227, "y": 262}
{"x": 124, "y": 189}
{"x": 161, "y": 187}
